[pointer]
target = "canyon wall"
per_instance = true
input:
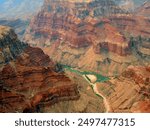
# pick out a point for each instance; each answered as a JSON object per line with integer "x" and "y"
{"x": 28, "y": 78}
{"x": 31, "y": 82}
{"x": 130, "y": 92}
{"x": 71, "y": 32}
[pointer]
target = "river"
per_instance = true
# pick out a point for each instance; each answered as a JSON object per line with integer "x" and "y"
{"x": 99, "y": 77}
{"x": 95, "y": 89}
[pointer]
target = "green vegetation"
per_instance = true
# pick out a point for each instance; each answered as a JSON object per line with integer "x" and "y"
{"x": 99, "y": 96}
{"x": 100, "y": 78}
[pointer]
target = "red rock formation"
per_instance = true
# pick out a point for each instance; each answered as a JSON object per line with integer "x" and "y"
{"x": 30, "y": 80}
{"x": 133, "y": 24}
{"x": 35, "y": 57}
{"x": 141, "y": 75}
{"x": 113, "y": 41}
{"x": 77, "y": 24}
{"x": 88, "y": 34}
{"x": 143, "y": 106}
{"x": 129, "y": 92}
{"x": 12, "y": 102}
{"x": 30, "y": 83}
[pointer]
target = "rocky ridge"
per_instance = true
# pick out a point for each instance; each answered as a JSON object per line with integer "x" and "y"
{"x": 137, "y": 80}
{"x": 28, "y": 78}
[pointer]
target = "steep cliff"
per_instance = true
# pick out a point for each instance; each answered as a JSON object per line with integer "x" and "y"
{"x": 71, "y": 32}
{"x": 135, "y": 24}
{"x": 31, "y": 82}
{"x": 132, "y": 25}
{"x": 28, "y": 77}
{"x": 18, "y": 25}
{"x": 9, "y": 51}
{"x": 70, "y": 21}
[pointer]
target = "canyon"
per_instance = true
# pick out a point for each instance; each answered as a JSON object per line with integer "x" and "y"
{"x": 28, "y": 77}
{"x": 29, "y": 81}
{"x": 97, "y": 29}
{"x": 115, "y": 90}
{"x": 77, "y": 56}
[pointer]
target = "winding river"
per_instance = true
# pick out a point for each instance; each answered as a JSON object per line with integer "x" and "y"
{"x": 99, "y": 78}
{"x": 95, "y": 89}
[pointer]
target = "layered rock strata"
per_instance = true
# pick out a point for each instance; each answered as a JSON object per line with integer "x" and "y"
{"x": 129, "y": 92}
{"x": 72, "y": 31}
{"x": 28, "y": 79}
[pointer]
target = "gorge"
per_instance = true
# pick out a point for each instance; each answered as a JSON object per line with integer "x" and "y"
{"x": 98, "y": 29}
{"x": 77, "y": 56}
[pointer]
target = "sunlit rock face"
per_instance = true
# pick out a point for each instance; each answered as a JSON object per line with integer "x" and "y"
{"x": 135, "y": 24}
{"x": 92, "y": 35}
{"x": 130, "y": 92}
{"x": 71, "y": 21}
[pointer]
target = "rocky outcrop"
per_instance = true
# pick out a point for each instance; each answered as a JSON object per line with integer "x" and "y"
{"x": 129, "y": 92}
{"x": 77, "y": 24}
{"x": 28, "y": 80}
{"x": 113, "y": 42}
{"x": 72, "y": 31}
{"x": 36, "y": 86}
{"x": 133, "y": 25}
{"x": 9, "y": 51}
{"x": 136, "y": 24}
{"x": 18, "y": 25}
